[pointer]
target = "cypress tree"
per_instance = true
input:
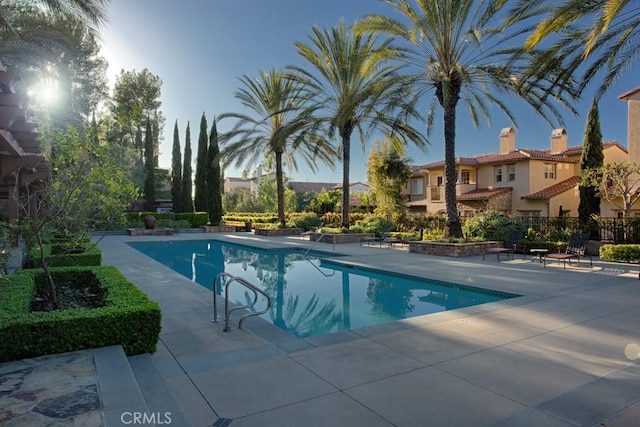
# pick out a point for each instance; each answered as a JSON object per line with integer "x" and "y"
{"x": 176, "y": 171}
{"x": 214, "y": 178}
{"x": 200, "y": 200}
{"x": 592, "y": 158}
{"x": 187, "y": 184}
{"x": 149, "y": 170}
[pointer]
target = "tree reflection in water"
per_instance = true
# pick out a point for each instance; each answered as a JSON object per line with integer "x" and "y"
{"x": 386, "y": 298}
{"x": 287, "y": 312}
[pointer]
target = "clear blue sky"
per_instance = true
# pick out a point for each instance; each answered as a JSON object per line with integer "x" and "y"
{"x": 200, "y": 48}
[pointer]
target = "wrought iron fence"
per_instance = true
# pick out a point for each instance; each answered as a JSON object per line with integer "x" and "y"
{"x": 614, "y": 230}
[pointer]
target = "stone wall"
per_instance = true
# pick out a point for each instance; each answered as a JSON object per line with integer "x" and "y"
{"x": 339, "y": 237}
{"x": 278, "y": 231}
{"x": 218, "y": 228}
{"x": 451, "y": 249}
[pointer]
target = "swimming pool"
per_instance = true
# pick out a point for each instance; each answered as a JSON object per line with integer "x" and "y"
{"x": 311, "y": 296}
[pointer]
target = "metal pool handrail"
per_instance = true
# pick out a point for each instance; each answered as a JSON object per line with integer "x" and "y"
{"x": 318, "y": 241}
{"x": 227, "y": 313}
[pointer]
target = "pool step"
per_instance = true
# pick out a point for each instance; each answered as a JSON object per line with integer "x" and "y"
{"x": 133, "y": 387}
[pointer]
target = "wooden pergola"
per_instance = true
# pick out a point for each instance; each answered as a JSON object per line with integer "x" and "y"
{"x": 21, "y": 159}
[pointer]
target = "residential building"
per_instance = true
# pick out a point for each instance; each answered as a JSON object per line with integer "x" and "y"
{"x": 522, "y": 182}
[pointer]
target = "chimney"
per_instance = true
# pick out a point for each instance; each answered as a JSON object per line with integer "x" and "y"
{"x": 507, "y": 140}
{"x": 633, "y": 123}
{"x": 558, "y": 141}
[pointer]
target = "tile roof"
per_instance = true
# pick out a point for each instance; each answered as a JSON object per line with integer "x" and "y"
{"x": 310, "y": 187}
{"x": 554, "y": 190}
{"x": 567, "y": 156}
{"x": 629, "y": 93}
{"x": 483, "y": 193}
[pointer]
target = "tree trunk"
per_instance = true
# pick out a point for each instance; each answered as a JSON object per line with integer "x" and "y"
{"x": 53, "y": 295}
{"x": 453, "y": 226}
{"x": 280, "y": 187}
{"x": 346, "y": 159}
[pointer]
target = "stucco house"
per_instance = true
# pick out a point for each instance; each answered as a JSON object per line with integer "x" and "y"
{"x": 526, "y": 182}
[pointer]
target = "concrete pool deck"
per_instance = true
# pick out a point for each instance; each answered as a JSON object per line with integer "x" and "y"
{"x": 564, "y": 354}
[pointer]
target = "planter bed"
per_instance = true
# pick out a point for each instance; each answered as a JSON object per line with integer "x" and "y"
{"x": 150, "y": 232}
{"x": 340, "y": 237}
{"x": 125, "y": 316}
{"x": 278, "y": 231}
{"x": 219, "y": 228}
{"x": 451, "y": 249}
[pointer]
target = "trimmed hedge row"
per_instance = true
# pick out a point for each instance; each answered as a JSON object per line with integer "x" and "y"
{"x": 128, "y": 318}
{"x": 253, "y": 217}
{"x": 196, "y": 219}
{"x": 92, "y": 256}
{"x": 621, "y": 253}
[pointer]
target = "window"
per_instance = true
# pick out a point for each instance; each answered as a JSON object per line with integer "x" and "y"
{"x": 499, "y": 174}
{"x": 440, "y": 179}
{"x": 549, "y": 171}
{"x": 417, "y": 186}
{"x": 466, "y": 175}
{"x": 512, "y": 172}
{"x": 435, "y": 193}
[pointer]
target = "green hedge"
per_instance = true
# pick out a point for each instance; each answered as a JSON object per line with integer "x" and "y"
{"x": 128, "y": 318}
{"x": 622, "y": 253}
{"x": 253, "y": 217}
{"x": 92, "y": 256}
{"x": 195, "y": 219}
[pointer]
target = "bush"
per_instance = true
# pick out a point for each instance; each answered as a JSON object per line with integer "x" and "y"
{"x": 169, "y": 219}
{"x": 91, "y": 256}
{"x": 128, "y": 318}
{"x": 490, "y": 225}
{"x": 372, "y": 224}
{"x": 622, "y": 253}
{"x": 305, "y": 220}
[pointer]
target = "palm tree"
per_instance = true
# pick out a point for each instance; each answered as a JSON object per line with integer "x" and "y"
{"x": 603, "y": 34}
{"x": 462, "y": 53}
{"x": 279, "y": 127}
{"x": 90, "y": 13}
{"x": 357, "y": 91}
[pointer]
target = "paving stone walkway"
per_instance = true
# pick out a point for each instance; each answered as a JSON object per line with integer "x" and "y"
{"x": 56, "y": 390}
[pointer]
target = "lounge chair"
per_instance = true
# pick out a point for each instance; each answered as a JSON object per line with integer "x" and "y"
{"x": 385, "y": 239}
{"x": 576, "y": 248}
{"x": 510, "y": 246}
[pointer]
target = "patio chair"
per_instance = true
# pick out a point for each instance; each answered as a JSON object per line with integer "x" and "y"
{"x": 385, "y": 239}
{"x": 510, "y": 246}
{"x": 576, "y": 248}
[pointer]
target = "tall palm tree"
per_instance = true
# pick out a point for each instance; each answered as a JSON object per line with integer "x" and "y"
{"x": 357, "y": 91}
{"x": 462, "y": 52}
{"x": 278, "y": 126}
{"x": 603, "y": 34}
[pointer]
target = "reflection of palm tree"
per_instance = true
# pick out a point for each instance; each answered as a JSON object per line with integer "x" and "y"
{"x": 346, "y": 301}
{"x": 388, "y": 298}
{"x": 312, "y": 320}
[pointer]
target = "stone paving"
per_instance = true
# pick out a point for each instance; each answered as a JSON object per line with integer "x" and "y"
{"x": 55, "y": 390}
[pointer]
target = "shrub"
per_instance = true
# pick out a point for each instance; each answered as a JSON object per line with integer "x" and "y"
{"x": 91, "y": 256}
{"x": 305, "y": 220}
{"x": 372, "y": 224}
{"x": 128, "y": 318}
{"x": 490, "y": 225}
{"x": 623, "y": 253}
{"x": 169, "y": 219}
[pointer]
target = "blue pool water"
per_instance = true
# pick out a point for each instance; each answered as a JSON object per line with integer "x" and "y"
{"x": 311, "y": 296}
